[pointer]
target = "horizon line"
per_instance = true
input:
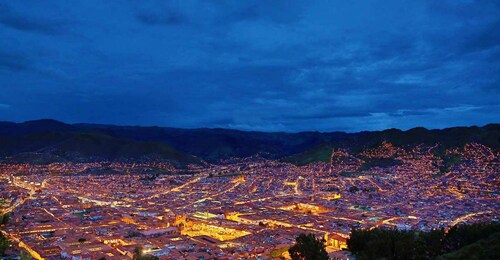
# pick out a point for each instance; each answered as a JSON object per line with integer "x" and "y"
{"x": 245, "y": 130}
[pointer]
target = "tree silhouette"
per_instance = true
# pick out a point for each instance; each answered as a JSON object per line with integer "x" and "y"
{"x": 379, "y": 243}
{"x": 4, "y": 219}
{"x": 4, "y": 243}
{"x": 25, "y": 256}
{"x": 308, "y": 247}
{"x": 138, "y": 255}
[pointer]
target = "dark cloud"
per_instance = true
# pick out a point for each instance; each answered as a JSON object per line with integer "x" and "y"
{"x": 463, "y": 9}
{"x": 13, "y": 62}
{"x": 29, "y": 23}
{"x": 483, "y": 38}
{"x": 321, "y": 115}
{"x": 167, "y": 18}
{"x": 280, "y": 12}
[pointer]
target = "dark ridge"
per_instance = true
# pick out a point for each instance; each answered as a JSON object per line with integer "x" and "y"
{"x": 81, "y": 142}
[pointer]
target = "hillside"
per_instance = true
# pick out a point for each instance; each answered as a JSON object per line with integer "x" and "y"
{"x": 488, "y": 248}
{"x": 45, "y": 147}
{"x": 488, "y": 135}
{"x": 50, "y": 140}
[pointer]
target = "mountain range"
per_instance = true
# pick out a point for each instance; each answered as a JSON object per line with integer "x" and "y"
{"x": 45, "y": 141}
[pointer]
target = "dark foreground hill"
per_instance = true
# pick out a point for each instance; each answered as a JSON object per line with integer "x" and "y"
{"x": 49, "y": 140}
{"x": 60, "y": 146}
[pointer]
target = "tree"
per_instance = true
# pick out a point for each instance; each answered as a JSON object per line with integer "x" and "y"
{"x": 461, "y": 235}
{"x": 25, "y": 256}
{"x": 139, "y": 255}
{"x": 4, "y": 244}
{"x": 379, "y": 243}
{"x": 308, "y": 247}
{"x": 4, "y": 219}
{"x": 137, "y": 252}
{"x": 429, "y": 243}
{"x": 4, "y": 241}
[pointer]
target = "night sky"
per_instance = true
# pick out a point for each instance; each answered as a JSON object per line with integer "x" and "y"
{"x": 252, "y": 65}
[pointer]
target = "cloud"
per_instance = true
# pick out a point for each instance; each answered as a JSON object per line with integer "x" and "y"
{"x": 214, "y": 15}
{"x": 268, "y": 65}
{"x": 166, "y": 18}
{"x": 484, "y": 38}
{"x": 13, "y": 61}
{"x": 27, "y": 23}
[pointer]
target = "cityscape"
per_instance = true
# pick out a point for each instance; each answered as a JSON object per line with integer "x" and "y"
{"x": 250, "y": 130}
{"x": 247, "y": 208}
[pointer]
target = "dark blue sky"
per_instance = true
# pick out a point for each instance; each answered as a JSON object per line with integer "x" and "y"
{"x": 253, "y": 65}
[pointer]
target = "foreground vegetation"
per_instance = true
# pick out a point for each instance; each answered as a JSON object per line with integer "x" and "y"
{"x": 4, "y": 241}
{"x": 308, "y": 247}
{"x": 474, "y": 241}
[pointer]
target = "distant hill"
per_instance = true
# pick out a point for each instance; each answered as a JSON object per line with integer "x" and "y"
{"x": 29, "y": 127}
{"x": 49, "y": 140}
